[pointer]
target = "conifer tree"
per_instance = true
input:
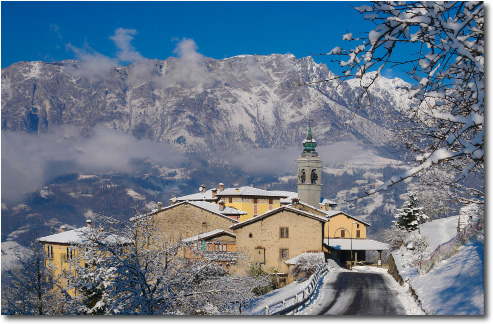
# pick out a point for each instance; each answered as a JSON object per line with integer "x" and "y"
{"x": 410, "y": 216}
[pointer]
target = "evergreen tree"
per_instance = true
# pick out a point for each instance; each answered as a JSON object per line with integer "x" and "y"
{"x": 410, "y": 216}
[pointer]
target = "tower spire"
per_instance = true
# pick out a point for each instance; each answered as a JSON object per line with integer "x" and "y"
{"x": 309, "y": 143}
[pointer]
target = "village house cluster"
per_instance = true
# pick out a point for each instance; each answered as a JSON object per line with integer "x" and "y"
{"x": 272, "y": 228}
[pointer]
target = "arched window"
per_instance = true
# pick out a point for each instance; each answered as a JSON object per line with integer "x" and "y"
{"x": 314, "y": 176}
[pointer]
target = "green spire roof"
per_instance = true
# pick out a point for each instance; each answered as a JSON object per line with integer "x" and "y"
{"x": 309, "y": 143}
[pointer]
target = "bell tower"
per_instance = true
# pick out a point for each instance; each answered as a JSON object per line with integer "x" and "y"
{"x": 309, "y": 172}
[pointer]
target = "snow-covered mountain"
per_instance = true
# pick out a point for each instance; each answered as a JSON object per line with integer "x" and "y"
{"x": 238, "y": 120}
{"x": 233, "y": 104}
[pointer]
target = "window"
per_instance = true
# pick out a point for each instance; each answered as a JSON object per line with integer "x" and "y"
{"x": 220, "y": 247}
{"x": 250, "y": 235}
{"x": 358, "y": 233}
{"x": 343, "y": 233}
{"x": 271, "y": 202}
{"x": 49, "y": 252}
{"x": 255, "y": 210}
{"x": 230, "y": 200}
{"x": 70, "y": 253}
{"x": 255, "y": 200}
{"x": 284, "y": 232}
{"x": 283, "y": 253}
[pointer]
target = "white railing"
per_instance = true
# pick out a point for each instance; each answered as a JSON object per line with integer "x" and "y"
{"x": 298, "y": 299}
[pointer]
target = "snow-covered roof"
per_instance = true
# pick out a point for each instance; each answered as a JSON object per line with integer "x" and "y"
{"x": 357, "y": 244}
{"x": 293, "y": 261}
{"x": 207, "y": 235}
{"x": 277, "y": 210}
{"x": 328, "y": 201}
{"x": 207, "y": 195}
{"x": 80, "y": 235}
{"x": 332, "y": 213}
{"x": 289, "y": 196}
{"x": 250, "y": 191}
{"x": 215, "y": 208}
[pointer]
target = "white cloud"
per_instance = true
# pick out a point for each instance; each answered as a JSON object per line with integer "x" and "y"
{"x": 30, "y": 161}
{"x": 91, "y": 63}
{"x": 126, "y": 52}
{"x": 190, "y": 67}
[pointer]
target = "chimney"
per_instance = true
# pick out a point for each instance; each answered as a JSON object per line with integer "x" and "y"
{"x": 159, "y": 206}
{"x": 295, "y": 201}
{"x": 89, "y": 223}
{"x": 221, "y": 205}
{"x": 63, "y": 228}
{"x": 202, "y": 188}
{"x": 221, "y": 187}
{"x": 214, "y": 193}
{"x": 237, "y": 189}
{"x": 173, "y": 200}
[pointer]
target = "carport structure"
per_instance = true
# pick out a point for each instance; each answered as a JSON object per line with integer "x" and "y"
{"x": 343, "y": 248}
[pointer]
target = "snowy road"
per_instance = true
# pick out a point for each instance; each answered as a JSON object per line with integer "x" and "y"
{"x": 363, "y": 292}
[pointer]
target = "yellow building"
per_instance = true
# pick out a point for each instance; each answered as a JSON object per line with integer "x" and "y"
{"x": 278, "y": 235}
{"x": 62, "y": 251}
{"x": 251, "y": 200}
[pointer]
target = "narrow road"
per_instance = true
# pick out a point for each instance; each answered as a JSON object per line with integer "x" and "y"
{"x": 358, "y": 293}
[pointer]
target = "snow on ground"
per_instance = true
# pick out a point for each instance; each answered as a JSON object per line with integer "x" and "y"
{"x": 454, "y": 286}
{"x": 135, "y": 195}
{"x": 440, "y": 231}
{"x": 11, "y": 251}
{"x": 257, "y": 306}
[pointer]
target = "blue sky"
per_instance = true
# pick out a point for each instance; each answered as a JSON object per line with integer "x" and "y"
{"x": 53, "y": 31}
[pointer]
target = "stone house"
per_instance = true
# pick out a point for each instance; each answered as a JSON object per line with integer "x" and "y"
{"x": 278, "y": 235}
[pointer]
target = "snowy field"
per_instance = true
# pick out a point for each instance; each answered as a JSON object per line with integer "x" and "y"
{"x": 455, "y": 286}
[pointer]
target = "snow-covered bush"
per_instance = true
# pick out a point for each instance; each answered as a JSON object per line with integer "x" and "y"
{"x": 418, "y": 244}
{"x": 394, "y": 237}
{"x": 306, "y": 264}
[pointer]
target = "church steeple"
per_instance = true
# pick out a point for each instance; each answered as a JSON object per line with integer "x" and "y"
{"x": 309, "y": 172}
{"x": 309, "y": 144}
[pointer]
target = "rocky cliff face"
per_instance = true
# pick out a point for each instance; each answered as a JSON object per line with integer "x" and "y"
{"x": 232, "y": 104}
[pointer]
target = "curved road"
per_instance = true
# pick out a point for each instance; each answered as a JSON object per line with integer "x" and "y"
{"x": 358, "y": 293}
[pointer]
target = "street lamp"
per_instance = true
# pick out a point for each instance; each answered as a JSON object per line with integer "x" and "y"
{"x": 352, "y": 244}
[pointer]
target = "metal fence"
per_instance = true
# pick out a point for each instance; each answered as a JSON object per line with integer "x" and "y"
{"x": 294, "y": 301}
{"x": 449, "y": 248}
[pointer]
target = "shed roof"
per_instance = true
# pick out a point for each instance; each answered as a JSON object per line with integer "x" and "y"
{"x": 209, "y": 235}
{"x": 357, "y": 244}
